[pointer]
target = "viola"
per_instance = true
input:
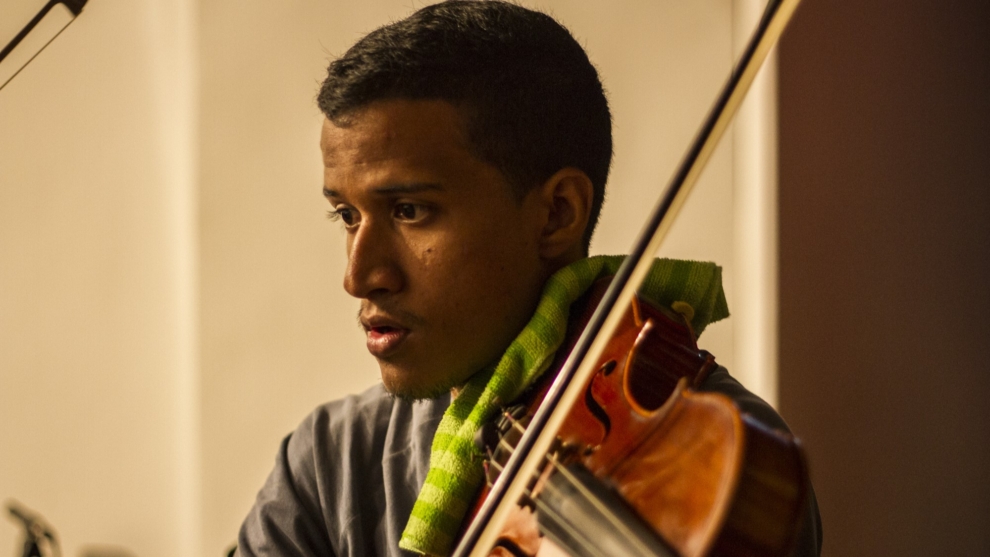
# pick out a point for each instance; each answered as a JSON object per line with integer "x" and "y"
{"x": 646, "y": 464}
{"x": 613, "y": 459}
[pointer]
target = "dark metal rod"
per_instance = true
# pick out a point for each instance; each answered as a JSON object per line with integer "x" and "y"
{"x": 75, "y": 6}
{"x": 11, "y": 78}
{"x": 27, "y": 29}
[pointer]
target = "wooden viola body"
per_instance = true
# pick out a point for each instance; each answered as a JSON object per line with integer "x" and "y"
{"x": 707, "y": 479}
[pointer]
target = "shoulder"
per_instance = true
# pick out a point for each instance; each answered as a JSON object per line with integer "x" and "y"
{"x": 347, "y": 442}
{"x": 359, "y": 427}
{"x": 719, "y": 381}
{"x": 341, "y": 479}
{"x": 356, "y": 420}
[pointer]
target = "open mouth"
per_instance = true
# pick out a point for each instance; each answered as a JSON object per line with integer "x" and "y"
{"x": 384, "y": 340}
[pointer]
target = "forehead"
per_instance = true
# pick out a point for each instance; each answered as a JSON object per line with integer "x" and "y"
{"x": 396, "y": 130}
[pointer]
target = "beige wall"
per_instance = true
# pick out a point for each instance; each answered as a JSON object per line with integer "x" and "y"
{"x": 95, "y": 325}
{"x": 170, "y": 299}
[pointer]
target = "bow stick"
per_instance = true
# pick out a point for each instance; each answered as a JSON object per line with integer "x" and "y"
{"x": 567, "y": 387}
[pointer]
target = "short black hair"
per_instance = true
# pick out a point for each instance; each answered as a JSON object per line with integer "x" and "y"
{"x": 532, "y": 101}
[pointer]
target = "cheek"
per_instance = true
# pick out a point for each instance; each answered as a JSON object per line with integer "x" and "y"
{"x": 469, "y": 267}
{"x": 427, "y": 255}
{"x": 499, "y": 271}
{"x": 454, "y": 278}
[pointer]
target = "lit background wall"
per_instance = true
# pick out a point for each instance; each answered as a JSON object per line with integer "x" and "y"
{"x": 98, "y": 415}
{"x": 170, "y": 291}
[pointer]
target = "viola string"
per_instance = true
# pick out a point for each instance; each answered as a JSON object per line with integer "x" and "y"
{"x": 597, "y": 503}
{"x": 586, "y": 543}
{"x": 588, "y": 496}
{"x": 569, "y": 477}
{"x": 549, "y": 511}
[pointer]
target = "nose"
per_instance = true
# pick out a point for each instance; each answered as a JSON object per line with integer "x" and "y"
{"x": 373, "y": 266}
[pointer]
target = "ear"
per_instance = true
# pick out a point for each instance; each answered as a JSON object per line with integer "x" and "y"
{"x": 566, "y": 197}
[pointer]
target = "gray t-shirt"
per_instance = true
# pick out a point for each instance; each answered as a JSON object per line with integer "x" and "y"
{"x": 345, "y": 481}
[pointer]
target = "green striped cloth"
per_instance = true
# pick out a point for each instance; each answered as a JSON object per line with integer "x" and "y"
{"x": 455, "y": 470}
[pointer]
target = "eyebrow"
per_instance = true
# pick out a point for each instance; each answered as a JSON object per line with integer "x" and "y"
{"x": 393, "y": 189}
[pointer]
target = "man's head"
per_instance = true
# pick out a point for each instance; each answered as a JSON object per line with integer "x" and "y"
{"x": 465, "y": 151}
{"x": 532, "y": 102}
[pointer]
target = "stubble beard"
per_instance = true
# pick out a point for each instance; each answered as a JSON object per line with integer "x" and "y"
{"x": 427, "y": 392}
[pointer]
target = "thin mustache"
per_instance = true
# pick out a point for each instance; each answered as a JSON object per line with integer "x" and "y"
{"x": 406, "y": 318}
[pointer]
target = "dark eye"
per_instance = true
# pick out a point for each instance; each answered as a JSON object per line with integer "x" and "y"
{"x": 342, "y": 214}
{"x": 409, "y": 211}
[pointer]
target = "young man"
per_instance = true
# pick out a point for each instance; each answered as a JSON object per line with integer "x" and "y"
{"x": 466, "y": 151}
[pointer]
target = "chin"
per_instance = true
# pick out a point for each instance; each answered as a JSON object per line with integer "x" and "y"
{"x": 410, "y": 385}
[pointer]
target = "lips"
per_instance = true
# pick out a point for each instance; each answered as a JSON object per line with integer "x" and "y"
{"x": 385, "y": 335}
